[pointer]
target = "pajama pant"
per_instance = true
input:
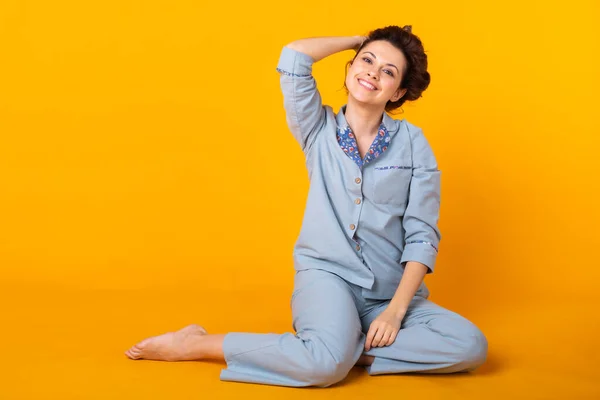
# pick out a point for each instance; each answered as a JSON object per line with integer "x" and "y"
{"x": 331, "y": 317}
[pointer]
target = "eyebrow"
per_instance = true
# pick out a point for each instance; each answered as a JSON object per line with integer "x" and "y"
{"x": 374, "y": 56}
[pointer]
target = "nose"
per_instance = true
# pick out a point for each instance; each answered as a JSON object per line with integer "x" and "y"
{"x": 372, "y": 75}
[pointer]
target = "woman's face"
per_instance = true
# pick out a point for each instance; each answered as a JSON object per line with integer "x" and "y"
{"x": 375, "y": 74}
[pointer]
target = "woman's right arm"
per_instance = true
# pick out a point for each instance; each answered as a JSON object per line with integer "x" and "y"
{"x": 302, "y": 101}
{"x": 321, "y": 47}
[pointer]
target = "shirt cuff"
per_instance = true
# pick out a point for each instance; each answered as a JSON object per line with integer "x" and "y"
{"x": 294, "y": 63}
{"x": 422, "y": 252}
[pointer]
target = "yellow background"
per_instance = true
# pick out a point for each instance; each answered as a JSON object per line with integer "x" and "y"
{"x": 148, "y": 180}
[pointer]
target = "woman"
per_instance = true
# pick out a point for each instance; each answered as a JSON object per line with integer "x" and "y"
{"x": 368, "y": 238}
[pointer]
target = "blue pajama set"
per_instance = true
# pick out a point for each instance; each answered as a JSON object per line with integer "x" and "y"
{"x": 364, "y": 219}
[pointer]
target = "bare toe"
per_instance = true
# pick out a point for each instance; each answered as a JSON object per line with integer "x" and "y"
{"x": 131, "y": 355}
{"x": 137, "y": 350}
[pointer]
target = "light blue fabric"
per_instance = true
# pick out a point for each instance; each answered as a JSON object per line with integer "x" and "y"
{"x": 330, "y": 318}
{"x": 361, "y": 225}
{"x": 392, "y": 202}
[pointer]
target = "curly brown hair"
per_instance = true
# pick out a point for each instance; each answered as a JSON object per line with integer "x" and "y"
{"x": 415, "y": 77}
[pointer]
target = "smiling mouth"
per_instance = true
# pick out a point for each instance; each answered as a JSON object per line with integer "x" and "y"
{"x": 366, "y": 85}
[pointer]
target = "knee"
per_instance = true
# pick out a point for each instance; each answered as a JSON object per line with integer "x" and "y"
{"x": 325, "y": 359}
{"x": 475, "y": 349}
{"x": 328, "y": 371}
{"x": 325, "y": 363}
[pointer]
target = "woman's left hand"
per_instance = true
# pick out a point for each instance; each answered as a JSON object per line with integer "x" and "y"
{"x": 383, "y": 329}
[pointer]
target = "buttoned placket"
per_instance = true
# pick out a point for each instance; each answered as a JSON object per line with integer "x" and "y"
{"x": 352, "y": 226}
{"x": 351, "y": 150}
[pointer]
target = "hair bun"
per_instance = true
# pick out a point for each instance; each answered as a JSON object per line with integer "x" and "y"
{"x": 407, "y": 28}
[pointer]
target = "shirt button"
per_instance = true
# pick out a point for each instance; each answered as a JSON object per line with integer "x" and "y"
{"x": 352, "y": 226}
{"x": 357, "y": 180}
{"x": 357, "y": 201}
{"x": 357, "y": 247}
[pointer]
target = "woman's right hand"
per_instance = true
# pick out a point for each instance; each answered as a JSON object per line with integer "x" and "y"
{"x": 360, "y": 41}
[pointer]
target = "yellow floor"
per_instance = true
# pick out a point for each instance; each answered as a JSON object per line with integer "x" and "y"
{"x": 68, "y": 344}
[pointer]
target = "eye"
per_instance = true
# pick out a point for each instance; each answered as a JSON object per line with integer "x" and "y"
{"x": 366, "y": 59}
{"x": 387, "y": 71}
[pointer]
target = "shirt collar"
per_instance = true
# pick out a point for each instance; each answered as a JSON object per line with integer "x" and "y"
{"x": 390, "y": 124}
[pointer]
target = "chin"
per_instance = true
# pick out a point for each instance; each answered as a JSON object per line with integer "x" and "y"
{"x": 362, "y": 99}
{"x": 359, "y": 94}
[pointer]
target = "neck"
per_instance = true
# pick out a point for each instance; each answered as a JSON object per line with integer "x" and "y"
{"x": 364, "y": 121}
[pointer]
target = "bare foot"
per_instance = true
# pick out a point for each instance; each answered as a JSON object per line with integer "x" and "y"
{"x": 183, "y": 345}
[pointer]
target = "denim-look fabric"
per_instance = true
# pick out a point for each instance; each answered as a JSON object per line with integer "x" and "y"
{"x": 362, "y": 224}
{"x": 364, "y": 219}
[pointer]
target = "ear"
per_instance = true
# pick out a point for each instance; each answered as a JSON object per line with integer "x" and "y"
{"x": 398, "y": 95}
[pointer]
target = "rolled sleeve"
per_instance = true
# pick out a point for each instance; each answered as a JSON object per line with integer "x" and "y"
{"x": 305, "y": 114}
{"x": 294, "y": 63}
{"x": 420, "y": 221}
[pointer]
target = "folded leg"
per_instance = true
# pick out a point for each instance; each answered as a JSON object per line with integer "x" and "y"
{"x": 431, "y": 340}
{"x": 322, "y": 352}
